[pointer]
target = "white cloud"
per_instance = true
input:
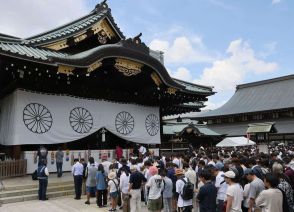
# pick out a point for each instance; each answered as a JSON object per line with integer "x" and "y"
{"x": 269, "y": 49}
{"x": 214, "y": 105}
{"x": 182, "y": 74}
{"x": 183, "y": 50}
{"x": 276, "y": 1}
{"x": 226, "y": 73}
{"x": 28, "y": 17}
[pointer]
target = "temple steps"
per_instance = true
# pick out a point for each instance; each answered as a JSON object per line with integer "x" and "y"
{"x": 14, "y": 194}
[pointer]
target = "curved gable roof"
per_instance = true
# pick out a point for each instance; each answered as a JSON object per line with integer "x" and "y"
{"x": 100, "y": 12}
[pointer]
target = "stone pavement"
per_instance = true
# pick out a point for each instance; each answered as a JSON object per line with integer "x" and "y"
{"x": 62, "y": 204}
{"x": 27, "y": 180}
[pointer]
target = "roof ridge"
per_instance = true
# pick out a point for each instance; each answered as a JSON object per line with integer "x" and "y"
{"x": 263, "y": 82}
{"x": 190, "y": 83}
{"x": 59, "y": 28}
{"x": 34, "y": 47}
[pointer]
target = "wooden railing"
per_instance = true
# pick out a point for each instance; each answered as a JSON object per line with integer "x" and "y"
{"x": 13, "y": 168}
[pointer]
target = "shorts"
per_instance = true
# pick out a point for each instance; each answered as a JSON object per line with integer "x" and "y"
{"x": 155, "y": 204}
{"x": 113, "y": 194}
{"x": 91, "y": 189}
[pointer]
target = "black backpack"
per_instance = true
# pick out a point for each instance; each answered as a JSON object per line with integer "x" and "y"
{"x": 285, "y": 202}
{"x": 35, "y": 175}
{"x": 188, "y": 190}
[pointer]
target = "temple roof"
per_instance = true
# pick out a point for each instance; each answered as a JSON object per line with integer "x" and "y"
{"x": 124, "y": 49}
{"x": 266, "y": 95}
{"x": 18, "y": 50}
{"x": 195, "y": 87}
{"x": 9, "y": 38}
{"x": 100, "y": 12}
{"x": 176, "y": 128}
{"x": 75, "y": 53}
{"x": 283, "y": 126}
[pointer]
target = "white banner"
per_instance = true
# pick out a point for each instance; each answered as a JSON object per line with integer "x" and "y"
{"x": 34, "y": 118}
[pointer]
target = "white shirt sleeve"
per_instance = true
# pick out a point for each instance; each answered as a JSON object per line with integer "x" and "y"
{"x": 46, "y": 171}
{"x": 73, "y": 169}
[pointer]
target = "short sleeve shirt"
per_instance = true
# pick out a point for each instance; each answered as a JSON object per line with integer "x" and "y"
{"x": 179, "y": 189}
{"x": 256, "y": 186}
{"x": 236, "y": 192}
{"x": 155, "y": 183}
{"x": 137, "y": 178}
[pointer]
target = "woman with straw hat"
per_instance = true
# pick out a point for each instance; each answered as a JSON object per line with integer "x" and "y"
{"x": 113, "y": 190}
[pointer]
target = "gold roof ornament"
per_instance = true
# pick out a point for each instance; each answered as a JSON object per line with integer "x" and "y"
{"x": 94, "y": 66}
{"x": 156, "y": 79}
{"x": 171, "y": 90}
{"x": 128, "y": 67}
{"x": 65, "y": 69}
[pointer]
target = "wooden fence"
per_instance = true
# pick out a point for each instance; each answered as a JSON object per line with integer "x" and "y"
{"x": 13, "y": 168}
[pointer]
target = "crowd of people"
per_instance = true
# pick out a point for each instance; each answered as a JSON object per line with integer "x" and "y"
{"x": 201, "y": 180}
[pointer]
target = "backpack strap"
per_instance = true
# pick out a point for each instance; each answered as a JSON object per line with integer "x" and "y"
{"x": 222, "y": 182}
{"x": 117, "y": 189}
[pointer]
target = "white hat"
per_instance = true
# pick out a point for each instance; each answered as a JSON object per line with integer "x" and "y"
{"x": 111, "y": 175}
{"x": 229, "y": 174}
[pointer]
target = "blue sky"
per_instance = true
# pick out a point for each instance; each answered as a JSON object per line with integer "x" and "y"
{"x": 220, "y": 43}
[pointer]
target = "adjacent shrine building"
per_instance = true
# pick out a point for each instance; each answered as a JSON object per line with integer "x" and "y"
{"x": 263, "y": 106}
{"x": 73, "y": 83}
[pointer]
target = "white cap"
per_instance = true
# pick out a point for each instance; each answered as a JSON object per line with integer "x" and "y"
{"x": 229, "y": 174}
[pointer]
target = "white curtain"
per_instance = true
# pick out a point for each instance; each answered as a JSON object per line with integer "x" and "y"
{"x": 34, "y": 118}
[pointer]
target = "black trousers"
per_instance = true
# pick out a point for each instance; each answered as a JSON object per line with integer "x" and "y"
{"x": 42, "y": 188}
{"x": 101, "y": 197}
{"x": 78, "y": 180}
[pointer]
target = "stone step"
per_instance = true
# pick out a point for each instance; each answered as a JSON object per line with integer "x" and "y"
{"x": 29, "y": 197}
{"x": 36, "y": 185}
{"x": 23, "y": 192}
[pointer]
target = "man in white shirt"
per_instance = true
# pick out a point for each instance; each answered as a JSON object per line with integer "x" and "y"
{"x": 176, "y": 161}
{"x": 184, "y": 205}
{"x": 105, "y": 164}
{"x": 270, "y": 199}
{"x": 191, "y": 175}
{"x": 77, "y": 172}
{"x": 155, "y": 185}
{"x": 142, "y": 150}
{"x": 221, "y": 186}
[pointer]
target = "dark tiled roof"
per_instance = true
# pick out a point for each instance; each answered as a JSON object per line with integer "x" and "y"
{"x": 259, "y": 96}
{"x": 171, "y": 129}
{"x": 74, "y": 27}
{"x": 237, "y": 129}
{"x": 23, "y": 51}
{"x": 194, "y": 87}
{"x": 9, "y": 38}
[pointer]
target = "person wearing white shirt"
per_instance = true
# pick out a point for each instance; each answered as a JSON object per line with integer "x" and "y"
{"x": 176, "y": 161}
{"x": 155, "y": 185}
{"x": 77, "y": 172}
{"x": 142, "y": 150}
{"x": 184, "y": 205}
{"x": 105, "y": 164}
{"x": 221, "y": 186}
{"x": 124, "y": 187}
{"x": 191, "y": 175}
{"x": 234, "y": 194}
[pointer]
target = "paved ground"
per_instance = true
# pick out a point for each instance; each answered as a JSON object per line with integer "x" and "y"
{"x": 55, "y": 205}
{"x": 27, "y": 180}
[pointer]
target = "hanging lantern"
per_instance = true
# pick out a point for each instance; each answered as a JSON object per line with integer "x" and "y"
{"x": 103, "y": 131}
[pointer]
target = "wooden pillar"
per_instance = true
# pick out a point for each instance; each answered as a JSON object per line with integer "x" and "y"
{"x": 16, "y": 152}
